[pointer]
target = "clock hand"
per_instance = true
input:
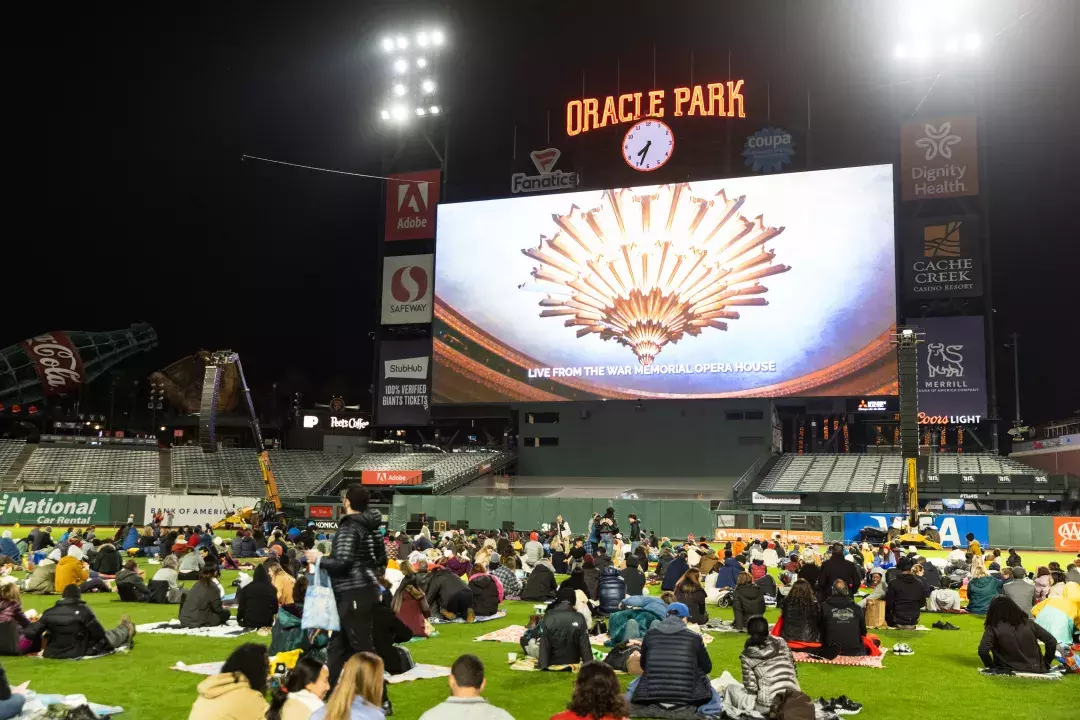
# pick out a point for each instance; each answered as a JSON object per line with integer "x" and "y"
{"x": 644, "y": 151}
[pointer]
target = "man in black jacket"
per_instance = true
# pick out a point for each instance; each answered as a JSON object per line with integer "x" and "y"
{"x": 131, "y": 582}
{"x": 904, "y": 598}
{"x": 564, "y": 634}
{"x": 71, "y": 630}
{"x": 356, "y": 561}
{"x": 676, "y": 667}
{"x": 632, "y": 576}
{"x": 837, "y": 568}
{"x": 843, "y": 624}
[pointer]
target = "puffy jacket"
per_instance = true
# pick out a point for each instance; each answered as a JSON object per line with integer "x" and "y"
{"x": 675, "y": 570}
{"x": 647, "y": 602}
{"x": 904, "y": 599}
{"x": 237, "y": 546}
{"x": 758, "y": 569}
{"x": 441, "y": 586}
{"x": 564, "y": 637}
{"x": 676, "y": 666}
{"x": 228, "y": 696}
{"x": 695, "y": 600}
{"x": 107, "y": 561}
{"x": 610, "y": 590}
{"x": 747, "y": 601}
{"x": 201, "y": 606}
{"x": 485, "y": 592}
{"x": 9, "y": 548}
{"x": 285, "y": 632}
{"x": 43, "y": 580}
{"x": 634, "y": 580}
{"x": 71, "y": 628}
{"x": 12, "y": 611}
{"x": 1021, "y": 592}
{"x": 540, "y": 585}
{"x": 801, "y": 622}
{"x": 131, "y": 539}
{"x": 843, "y": 624}
{"x": 708, "y": 563}
{"x": 358, "y": 552}
{"x": 70, "y": 571}
{"x": 257, "y": 602}
{"x": 1060, "y": 615}
{"x": 728, "y": 574}
{"x": 980, "y": 592}
{"x": 768, "y": 670}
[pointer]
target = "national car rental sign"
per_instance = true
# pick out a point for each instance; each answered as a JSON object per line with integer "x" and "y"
{"x": 410, "y": 205}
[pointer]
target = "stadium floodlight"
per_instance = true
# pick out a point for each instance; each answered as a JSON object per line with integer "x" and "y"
{"x": 428, "y": 86}
{"x": 972, "y": 42}
{"x": 434, "y": 110}
{"x": 402, "y": 42}
{"x": 401, "y": 65}
{"x": 437, "y": 37}
{"x": 399, "y": 89}
{"x": 388, "y": 44}
{"x": 412, "y": 87}
{"x": 398, "y": 113}
{"x": 421, "y": 62}
{"x": 951, "y": 45}
{"x": 421, "y": 112}
{"x": 385, "y": 114}
{"x": 908, "y": 332}
{"x": 422, "y": 39}
{"x": 900, "y": 52}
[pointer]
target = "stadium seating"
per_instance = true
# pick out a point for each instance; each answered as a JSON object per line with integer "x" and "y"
{"x": 978, "y": 464}
{"x": 9, "y": 452}
{"x": 300, "y": 472}
{"x": 233, "y": 469}
{"x": 833, "y": 474}
{"x": 91, "y": 470}
{"x": 447, "y": 467}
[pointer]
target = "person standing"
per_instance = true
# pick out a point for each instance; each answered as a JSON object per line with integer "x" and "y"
{"x": 562, "y": 531}
{"x": 357, "y": 559}
{"x": 607, "y": 529}
{"x": 837, "y": 568}
{"x": 635, "y": 532}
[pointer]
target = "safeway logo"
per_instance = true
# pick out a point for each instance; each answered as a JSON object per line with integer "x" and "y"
{"x": 410, "y": 205}
{"x": 409, "y": 283}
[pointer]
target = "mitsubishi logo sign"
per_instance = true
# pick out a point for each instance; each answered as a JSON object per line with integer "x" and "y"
{"x": 310, "y": 421}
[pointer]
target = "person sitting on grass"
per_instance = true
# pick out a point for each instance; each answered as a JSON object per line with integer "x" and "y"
{"x": 1010, "y": 640}
{"x": 283, "y": 582}
{"x": 540, "y": 585}
{"x": 1060, "y": 615}
{"x": 675, "y": 570}
{"x": 610, "y": 590}
{"x": 981, "y": 589}
{"x": 1019, "y": 589}
{"x": 487, "y": 591}
{"x": 1043, "y": 581}
{"x": 596, "y": 696}
{"x": 632, "y": 576}
{"x": 410, "y": 604}
{"x": 449, "y": 596}
{"x": 302, "y": 692}
{"x": 11, "y": 703}
{"x": 201, "y": 605}
{"x": 675, "y": 668}
{"x": 11, "y": 611}
{"x": 131, "y": 583}
{"x": 168, "y": 575}
{"x": 73, "y": 570}
{"x": 257, "y": 602}
{"x": 728, "y": 573}
{"x": 1057, "y": 584}
{"x": 747, "y": 600}
{"x": 690, "y": 592}
{"x": 768, "y": 669}
{"x": 191, "y": 562}
{"x": 69, "y": 629}
{"x": 904, "y": 598}
{"x": 238, "y": 691}
{"x": 843, "y": 624}
{"x": 801, "y": 616}
{"x": 9, "y": 548}
{"x": 944, "y": 599}
{"x": 562, "y": 636}
{"x": 465, "y": 703}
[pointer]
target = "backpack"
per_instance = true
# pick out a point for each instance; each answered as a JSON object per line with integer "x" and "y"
{"x": 9, "y": 638}
{"x": 618, "y": 656}
{"x": 159, "y": 592}
{"x": 791, "y": 705}
{"x": 128, "y": 593}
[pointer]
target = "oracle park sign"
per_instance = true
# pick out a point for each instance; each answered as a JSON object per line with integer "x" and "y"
{"x": 35, "y": 508}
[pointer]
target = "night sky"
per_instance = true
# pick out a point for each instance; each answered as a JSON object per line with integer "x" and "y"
{"x": 135, "y": 204}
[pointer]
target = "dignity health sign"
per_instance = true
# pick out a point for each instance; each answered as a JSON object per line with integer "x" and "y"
{"x": 953, "y": 528}
{"x": 939, "y": 158}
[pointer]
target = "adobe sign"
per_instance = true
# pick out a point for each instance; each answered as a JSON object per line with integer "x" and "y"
{"x": 410, "y": 205}
{"x": 391, "y": 477}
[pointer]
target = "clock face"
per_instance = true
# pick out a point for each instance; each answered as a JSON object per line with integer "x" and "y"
{"x": 648, "y": 144}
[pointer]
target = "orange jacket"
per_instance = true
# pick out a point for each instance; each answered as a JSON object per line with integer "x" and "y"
{"x": 70, "y": 571}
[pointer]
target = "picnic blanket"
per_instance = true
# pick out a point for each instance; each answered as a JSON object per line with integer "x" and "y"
{"x": 420, "y": 672}
{"x": 40, "y": 702}
{"x": 919, "y": 628}
{"x": 440, "y": 620}
{"x": 418, "y": 638}
{"x": 848, "y": 660}
{"x": 206, "y": 668}
{"x": 510, "y": 634}
{"x": 172, "y": 627}
{"x": 122, "y": 649}
{"x": 528, "y": 664}
{"x": 1032, "y": 676}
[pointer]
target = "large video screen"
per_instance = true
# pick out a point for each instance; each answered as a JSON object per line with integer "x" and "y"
{"x": 769, "y": 286}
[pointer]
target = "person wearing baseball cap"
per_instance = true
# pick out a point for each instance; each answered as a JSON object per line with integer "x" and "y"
{"x": 675, "y": 668}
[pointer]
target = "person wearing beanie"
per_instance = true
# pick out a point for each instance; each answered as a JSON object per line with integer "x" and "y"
{"x": 1019, "y": 589}
{"x": 534, "y": 552}
{"x": 563, "y": 634}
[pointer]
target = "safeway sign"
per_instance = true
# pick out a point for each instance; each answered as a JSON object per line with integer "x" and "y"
{"x": 391, "y": 477}
{"x": 410, "y": 205}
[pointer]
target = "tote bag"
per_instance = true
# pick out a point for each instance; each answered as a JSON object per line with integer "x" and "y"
{"x": 320, "y": 606}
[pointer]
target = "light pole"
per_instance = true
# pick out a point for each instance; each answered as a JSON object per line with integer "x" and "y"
{"x": 1015, "y": 345}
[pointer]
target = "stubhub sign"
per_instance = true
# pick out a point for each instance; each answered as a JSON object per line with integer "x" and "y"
{"x": 953, "y": 528}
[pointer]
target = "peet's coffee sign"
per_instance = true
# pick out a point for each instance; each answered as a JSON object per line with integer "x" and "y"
{"x": 57, "y": 362}
{"x": 53, "y": 509}
{"x": 942, "y": 258}
{"x": 939, "y": 158}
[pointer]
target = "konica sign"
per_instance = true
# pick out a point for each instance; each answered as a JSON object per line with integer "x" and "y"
{"x": 953, "y": 528}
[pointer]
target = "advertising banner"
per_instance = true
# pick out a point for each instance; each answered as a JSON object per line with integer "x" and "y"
{"x": 769, "y": 150}
{"x": 322, "y": 512}
{"x": 675, "y": 291}
{"x": 952, "y": 370}
{"x": 549, "y": 178}
{"x": 403, "y": 392}
{"x": 193, "y": 509}
{"x": 407, "y": 289}
{"x": 800, "y": 536}
{"x": 757, "y": 498}
{"x": 1067, "y": 534}
{"x": 410, "y": 205}
{"x": 939, "y": 158}
{"x": 953, "y": 528}
{"x": 391, "y": 477}
{"x": 36, "y": 508}
{"x": 57, "y": 362}
{"x": 942, "y": 258}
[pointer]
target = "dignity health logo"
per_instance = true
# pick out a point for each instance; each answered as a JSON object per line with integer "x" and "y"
{"x": 938, "y": 141}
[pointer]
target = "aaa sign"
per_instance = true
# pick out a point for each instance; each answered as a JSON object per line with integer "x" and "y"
{"x": 1067, "y": 533}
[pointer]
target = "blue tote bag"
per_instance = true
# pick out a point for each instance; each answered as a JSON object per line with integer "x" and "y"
{"x": 320, "y": 606}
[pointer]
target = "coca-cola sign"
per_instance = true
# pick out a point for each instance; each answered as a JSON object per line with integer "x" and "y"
{"x": 57, "y": 362}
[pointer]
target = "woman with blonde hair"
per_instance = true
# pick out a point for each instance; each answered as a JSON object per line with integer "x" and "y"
{"x": 359, "y": 691}
{"x": 981, "y": 589}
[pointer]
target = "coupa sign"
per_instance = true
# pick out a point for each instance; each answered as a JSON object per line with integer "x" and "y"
{"x": 53, "y": 509}
{"x": 953, "y": 528}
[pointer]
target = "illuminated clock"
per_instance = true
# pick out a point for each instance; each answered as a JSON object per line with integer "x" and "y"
{"x": 648, "y": 144}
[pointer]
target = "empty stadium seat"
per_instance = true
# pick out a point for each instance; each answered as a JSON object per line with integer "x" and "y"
{"x": 832, "y": 473}
{"x": 92, "y": 469}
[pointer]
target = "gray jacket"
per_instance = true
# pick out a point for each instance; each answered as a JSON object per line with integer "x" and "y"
{"x": 1022, "y": 592}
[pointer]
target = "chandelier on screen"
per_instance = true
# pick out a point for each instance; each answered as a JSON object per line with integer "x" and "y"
{"x": 645, "y": 270}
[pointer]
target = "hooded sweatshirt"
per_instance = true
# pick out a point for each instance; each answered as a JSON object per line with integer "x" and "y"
{"x": 228, "y": 696}
{"x": 1060, "y": 615}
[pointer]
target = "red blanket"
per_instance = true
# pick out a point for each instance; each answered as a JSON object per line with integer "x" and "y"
{"x": 870, "y": 642}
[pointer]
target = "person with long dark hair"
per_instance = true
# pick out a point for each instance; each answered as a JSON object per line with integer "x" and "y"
{"x": 257, "y": 602}
{"x": 801, "y": 614}
{"x": 1010, "y": 640}
{"x": 302, "y": 692}
{"x": 596, "y": 696}
{"x": 690, "y": 592}
{"x": 238, "y": 691}
{"x": 767, "y": 669}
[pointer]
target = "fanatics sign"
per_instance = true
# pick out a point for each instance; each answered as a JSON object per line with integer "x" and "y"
{"x": 939, "y": 158}
{"x": 407, "y": 289}
{"x": 410, "y": 205}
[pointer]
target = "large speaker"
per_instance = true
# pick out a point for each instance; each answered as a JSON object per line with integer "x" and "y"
{"x": 208, "y": 408}
{"x": 508, "y": 525}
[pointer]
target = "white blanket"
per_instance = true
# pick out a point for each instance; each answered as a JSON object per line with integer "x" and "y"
{"x": 172, "y": 627}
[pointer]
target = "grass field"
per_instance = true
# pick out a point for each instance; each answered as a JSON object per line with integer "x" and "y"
{"x": 939, "y": 680}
